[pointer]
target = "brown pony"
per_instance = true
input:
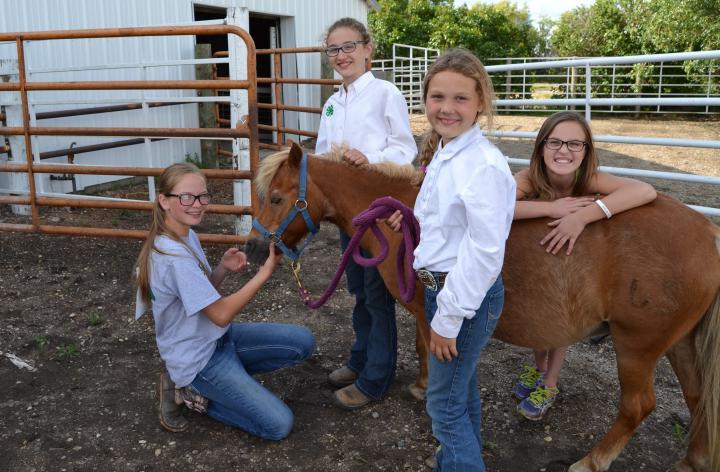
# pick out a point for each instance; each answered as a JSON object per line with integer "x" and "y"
{"x": 653, "y": 274}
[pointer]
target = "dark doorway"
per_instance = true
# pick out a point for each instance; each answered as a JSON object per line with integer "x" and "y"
{"x": 262, "y": 29}
{"x": 265, "y": 31}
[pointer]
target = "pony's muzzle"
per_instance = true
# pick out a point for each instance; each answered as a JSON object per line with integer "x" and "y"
{"x": 256, "y": 250}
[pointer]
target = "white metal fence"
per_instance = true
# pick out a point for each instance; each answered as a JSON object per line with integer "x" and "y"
{"x": 658, "y": 79}
{"x": 408, "y": 66}
{"x": 599, "y": 85}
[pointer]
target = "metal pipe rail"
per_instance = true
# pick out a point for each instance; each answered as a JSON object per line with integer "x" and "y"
{"x": 115, "y": 204}
{"x": 47, "y": 115}
{"x": 698, "y": 143}
{"x": 93, "y": 148}
{"x": 23, "y": 86}
{"x": 277, "y": 81}
{"x": 610, "y": 60}
{"x": 110, "y": 233}
{"x": 107, "y": 170}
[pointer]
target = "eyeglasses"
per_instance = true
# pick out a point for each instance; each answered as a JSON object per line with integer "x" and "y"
{"x": 188, "y": 199}
{"x": 573, "y": 146}
{"x": 347, "y": 48}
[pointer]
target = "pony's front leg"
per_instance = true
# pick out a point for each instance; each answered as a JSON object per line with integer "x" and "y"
{"x": 637, "y": 400}
{"x": 422, "y": 340}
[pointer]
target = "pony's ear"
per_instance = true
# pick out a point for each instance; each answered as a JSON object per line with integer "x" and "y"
{"x": 295, "y": 155}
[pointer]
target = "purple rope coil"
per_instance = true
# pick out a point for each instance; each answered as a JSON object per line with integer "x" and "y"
{"x": 383, "y": 207}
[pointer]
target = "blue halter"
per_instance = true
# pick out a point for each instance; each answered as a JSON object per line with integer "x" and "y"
{"x": 300, "y": 206}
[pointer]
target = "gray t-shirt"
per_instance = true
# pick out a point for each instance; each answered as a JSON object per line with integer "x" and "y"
{"x": 180, "y": 289}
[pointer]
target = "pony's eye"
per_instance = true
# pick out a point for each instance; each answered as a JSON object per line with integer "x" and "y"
{"x": 275, "y": 200}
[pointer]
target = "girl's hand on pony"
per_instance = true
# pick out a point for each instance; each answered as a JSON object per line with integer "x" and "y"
{"x": 567, "y": 230}
{"x": 394, "y": 221}
{"x": 234, "y": 260}
{"x": 355, "y": 158}
{"x": 568, "y": 205}
{"x": 442, "y": 348}
{"x": 272, "y": 261}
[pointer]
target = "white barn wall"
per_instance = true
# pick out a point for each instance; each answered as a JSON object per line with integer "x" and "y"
{"x": 302, "y": 23}
{"x": 39, "y": 15}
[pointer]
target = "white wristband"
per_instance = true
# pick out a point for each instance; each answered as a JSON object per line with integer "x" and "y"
{"x": 604, "y": 208}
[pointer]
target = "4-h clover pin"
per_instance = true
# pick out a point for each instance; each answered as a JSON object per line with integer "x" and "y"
{"x": 329, "y": 111}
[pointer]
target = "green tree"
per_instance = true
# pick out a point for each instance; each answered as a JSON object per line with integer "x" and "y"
{"x": 628, "y": 27}
{"x": 405, "y": 22}
{"x": 487, "y": 30}
{"x": 607, "y": 28}
{"x": 682, "y": 25}
{"x": 545, "y": 28}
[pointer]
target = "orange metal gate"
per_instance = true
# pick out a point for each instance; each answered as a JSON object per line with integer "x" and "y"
{"x": 278, "y": 106}
{"x": 247, "y": 129}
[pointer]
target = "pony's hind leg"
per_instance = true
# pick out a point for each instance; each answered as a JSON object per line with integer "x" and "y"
{"x": 683, "y": 359}
{"x": 422, "y": 340}
{"x": 637, "y": 400}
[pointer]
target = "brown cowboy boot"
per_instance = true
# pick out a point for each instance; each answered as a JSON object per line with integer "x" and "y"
{"x": 350, "y": 398}
{"x": 169, "y": 412}
{"x": 342, "y": 377}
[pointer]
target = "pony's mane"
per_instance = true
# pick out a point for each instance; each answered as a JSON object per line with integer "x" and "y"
{"x": 270, "y": 164}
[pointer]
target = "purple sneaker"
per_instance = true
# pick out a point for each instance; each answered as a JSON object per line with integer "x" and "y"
{"x": 535, "y": 406}
{"x": 529, "y": 380}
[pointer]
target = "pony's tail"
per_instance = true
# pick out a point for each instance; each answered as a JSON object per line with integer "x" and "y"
{"x": 709, "y": 364}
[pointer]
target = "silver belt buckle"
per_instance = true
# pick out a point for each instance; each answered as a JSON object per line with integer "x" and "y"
{"x": 426, "y": 278}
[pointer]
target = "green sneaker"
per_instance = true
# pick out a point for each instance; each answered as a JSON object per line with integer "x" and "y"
{"x": 530, "y": 378}
{"x": 535, "y": 406}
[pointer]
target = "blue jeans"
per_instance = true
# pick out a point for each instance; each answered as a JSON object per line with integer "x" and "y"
{"x": 453, "y": 396}
{"x": 373, "y": 355}
{"x": 235, "y": 397}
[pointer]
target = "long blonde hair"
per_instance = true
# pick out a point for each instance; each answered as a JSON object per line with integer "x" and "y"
{"x": 170, "y": 177}
{"x": 538, "y": 171}
{"x": 460, "y": 61}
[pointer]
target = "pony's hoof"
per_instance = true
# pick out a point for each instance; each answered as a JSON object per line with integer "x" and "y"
{"x": 685, "y": 466}
{"x": 418, "y": 393}
{"x": 581, "y": 466}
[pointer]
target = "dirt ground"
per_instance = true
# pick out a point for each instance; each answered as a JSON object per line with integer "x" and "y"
{"x": 67, "y": 309}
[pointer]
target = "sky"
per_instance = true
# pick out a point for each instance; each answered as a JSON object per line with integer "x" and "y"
{"x": 539, "y": 8}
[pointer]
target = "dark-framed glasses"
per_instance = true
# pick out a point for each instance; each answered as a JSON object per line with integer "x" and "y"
{"x": 188, "y": 199}
{"x": 574, "y": 146}
{"x": 347, "y": 48}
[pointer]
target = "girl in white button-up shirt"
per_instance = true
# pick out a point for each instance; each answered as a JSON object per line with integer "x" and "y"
{"x": 369, "y": 118}
{"x": 465, "y": 208}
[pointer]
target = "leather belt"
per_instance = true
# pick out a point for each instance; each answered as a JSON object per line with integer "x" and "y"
{"x": 432, "y": 280}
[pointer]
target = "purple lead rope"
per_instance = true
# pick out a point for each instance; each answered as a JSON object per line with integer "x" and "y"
{"x": 381, "y": 208}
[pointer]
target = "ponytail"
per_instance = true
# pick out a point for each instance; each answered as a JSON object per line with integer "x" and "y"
{"x": 428, "y": 148}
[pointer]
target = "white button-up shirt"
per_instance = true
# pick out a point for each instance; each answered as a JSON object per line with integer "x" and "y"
{"x": 370, "y": 116}
{"x": 465, "y": 209}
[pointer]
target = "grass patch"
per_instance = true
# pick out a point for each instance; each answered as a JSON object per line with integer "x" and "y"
{"x": 95, "y": 318}
{"x": 68, "y": 350}
{"x": 542, "y": 91}
{"x": 679, "y": 432}
{"x": 41, "y": 343}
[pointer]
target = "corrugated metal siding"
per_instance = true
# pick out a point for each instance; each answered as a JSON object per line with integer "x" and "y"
{"x": 39, "y": 15}
{"x": 303, "y": 24}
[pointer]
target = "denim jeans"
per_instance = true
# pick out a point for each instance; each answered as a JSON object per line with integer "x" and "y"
{"x": 453, "y": 396}
{"x": 373, "y": 355}
{"x": 235, "y": 397}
